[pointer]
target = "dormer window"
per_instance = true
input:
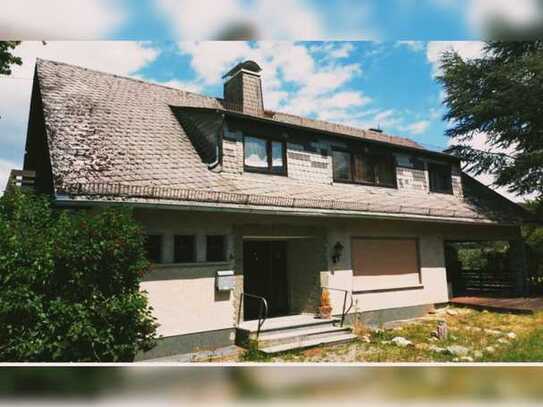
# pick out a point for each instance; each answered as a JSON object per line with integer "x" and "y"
{"x": 264, "y": 155}
{"x": 364, "y": 168}
{"x": 440, "y": 178}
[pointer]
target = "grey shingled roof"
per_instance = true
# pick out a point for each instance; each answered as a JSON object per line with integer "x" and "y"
{"x": 112, "y": 137}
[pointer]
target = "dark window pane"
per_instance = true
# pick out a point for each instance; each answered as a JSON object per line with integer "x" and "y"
{"x": 184, "y": 249}
{"x": 363, "y": 169}
{"x": 256, "y": 152}
{"x": 153, "y": 248}
{"x": 277, "y": 157}
{"x": 440, "y": 178}
{"x": 384, "y": 170}
{"x": 216, "y": 248}
{"x": 342, "y": 166}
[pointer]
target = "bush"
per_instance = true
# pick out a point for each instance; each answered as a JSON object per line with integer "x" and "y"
{"x": 70, "y": 283}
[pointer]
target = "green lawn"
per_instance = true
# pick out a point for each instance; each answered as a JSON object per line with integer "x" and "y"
{"x": 475, "y": 336}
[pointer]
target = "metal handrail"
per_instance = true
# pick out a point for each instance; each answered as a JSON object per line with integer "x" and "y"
{"x": 344, "y": 311}
{"x": 263, "y": 311}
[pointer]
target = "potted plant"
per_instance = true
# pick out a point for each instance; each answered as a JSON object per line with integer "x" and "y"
{"x": 325, "y": 309}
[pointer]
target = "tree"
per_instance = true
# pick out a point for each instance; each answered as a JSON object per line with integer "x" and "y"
{"x": 70, "y": 283}
{"x": 498, "y": 96}
{"x": 7, "y": 59}
{"x": 533, "y": 235}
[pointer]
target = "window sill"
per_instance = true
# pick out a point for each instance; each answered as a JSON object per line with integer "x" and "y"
{"x": 194, "y": 264}
{"x": 385, "y": 290}
{"x": 442, "y": 192}
{"x": 264, "y": 172}
{"x": 367, "y": 184}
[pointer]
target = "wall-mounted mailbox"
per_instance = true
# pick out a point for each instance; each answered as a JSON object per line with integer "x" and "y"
{"x": 224, "y": 281}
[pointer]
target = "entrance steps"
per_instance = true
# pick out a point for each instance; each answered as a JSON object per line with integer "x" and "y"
{"x": 292, "y": 332}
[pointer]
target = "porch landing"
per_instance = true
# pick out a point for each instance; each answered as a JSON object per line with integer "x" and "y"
{"x": 292, "y": 332}
{"x": 513, "y": 305}
{"x": 290, "y": 321}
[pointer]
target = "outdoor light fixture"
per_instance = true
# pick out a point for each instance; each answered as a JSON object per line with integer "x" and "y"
{"x": 338, "y": 250}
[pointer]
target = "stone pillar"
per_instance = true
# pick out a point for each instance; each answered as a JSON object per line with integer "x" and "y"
{"x": 519, "y": 267}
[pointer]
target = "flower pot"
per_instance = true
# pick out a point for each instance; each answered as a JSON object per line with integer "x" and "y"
{"x": 325, "y": 312}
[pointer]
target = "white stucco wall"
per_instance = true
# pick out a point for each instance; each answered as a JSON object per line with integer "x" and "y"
{"x": 184, "y": 297}
{"x": 184, "y": 300}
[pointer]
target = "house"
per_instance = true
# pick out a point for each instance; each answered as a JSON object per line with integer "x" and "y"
{"x": 250, "y": 213}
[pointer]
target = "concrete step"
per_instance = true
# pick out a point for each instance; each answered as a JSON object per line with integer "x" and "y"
{"x": 299, "y": 334}
{"x": 309, "y": 342}
{"x": 285, "y": 325}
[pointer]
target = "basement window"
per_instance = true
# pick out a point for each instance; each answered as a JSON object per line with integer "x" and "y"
{"x": 216, "y": 248}
{"x": 264, "y": 155}
{"x": 184, "y": 249}
{"x": 153, "y": 248}
{"x": 440, "y": 178}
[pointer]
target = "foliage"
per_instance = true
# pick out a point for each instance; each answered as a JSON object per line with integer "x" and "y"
{"x": 498, "y": 96}
{"x": 70, "y": 283}
{"x": 489, "y": 255}
{"x": 252, "y": 354}
{"x": 533, "y": 235}
{"x": 7, "y": 58}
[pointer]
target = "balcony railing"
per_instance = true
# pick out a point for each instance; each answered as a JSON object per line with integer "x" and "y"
{"x": 21, "y": 179}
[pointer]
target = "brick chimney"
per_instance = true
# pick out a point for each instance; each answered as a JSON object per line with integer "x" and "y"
{"x": 243, "y": 88}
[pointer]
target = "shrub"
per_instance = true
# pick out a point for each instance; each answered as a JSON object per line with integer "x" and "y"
{"x": 70, "y": 283}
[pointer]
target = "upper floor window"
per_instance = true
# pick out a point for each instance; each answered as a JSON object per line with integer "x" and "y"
{"x": 264, "y": 155}
{"x": 440, "y": 178}
{"x": 362, "y": 168}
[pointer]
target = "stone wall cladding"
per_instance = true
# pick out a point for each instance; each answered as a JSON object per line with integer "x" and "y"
{"x": 410, "y": 178}
{"x": 457, "y": 182}
{"x": 252, "y": 95}
{"x": 232, "y": 159}
{"x": 308, "y": 163}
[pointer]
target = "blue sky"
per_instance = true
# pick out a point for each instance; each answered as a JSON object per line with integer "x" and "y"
{"x": 386, "y": 81}
{"x": 390, "y": 85}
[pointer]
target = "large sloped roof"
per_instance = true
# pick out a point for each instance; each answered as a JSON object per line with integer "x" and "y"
{"x": 114, "y": 138}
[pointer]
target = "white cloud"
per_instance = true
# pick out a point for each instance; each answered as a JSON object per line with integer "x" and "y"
{"x": 417, "y": 127}
{"x": 189, "y": 86}
{"x": 123, "y": 58}
{"x": 480, "y": 142}
{"x": 59, "y": 19}
{"x": 333, "y": 50}
{"x": 118, "y": 57}
{"x": 415, "y": 46}
{"x": 292, "y": 78}
{"x": 466, "y": 49}
{"x": 212, "y": 59}
{"x": 264, "y": 19}
{"x": 5, "y": 169}
{"x": 481, "y": 14}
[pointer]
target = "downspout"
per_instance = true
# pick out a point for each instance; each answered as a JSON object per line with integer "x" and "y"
{"x": 218, "y": 147}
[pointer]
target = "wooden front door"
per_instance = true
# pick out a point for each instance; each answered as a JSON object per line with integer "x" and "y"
{"x": 265, "y": 275}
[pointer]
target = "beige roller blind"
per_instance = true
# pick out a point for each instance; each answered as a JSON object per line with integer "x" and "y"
{"x": 385, "y": 263}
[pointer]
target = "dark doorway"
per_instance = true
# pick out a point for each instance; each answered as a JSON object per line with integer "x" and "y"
{"x": 265, "y": 275}
{"x": 479, "y": 268}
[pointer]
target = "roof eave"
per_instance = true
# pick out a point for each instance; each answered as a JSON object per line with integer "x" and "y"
{"x": 67, "y": 201}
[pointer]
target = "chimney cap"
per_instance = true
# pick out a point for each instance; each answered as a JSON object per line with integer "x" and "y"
{"x": 248, "y": 65}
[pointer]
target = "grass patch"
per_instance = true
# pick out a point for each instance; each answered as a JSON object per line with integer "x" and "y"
{"x": 488, "y": 337}
{"x": 252, "y": 354}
